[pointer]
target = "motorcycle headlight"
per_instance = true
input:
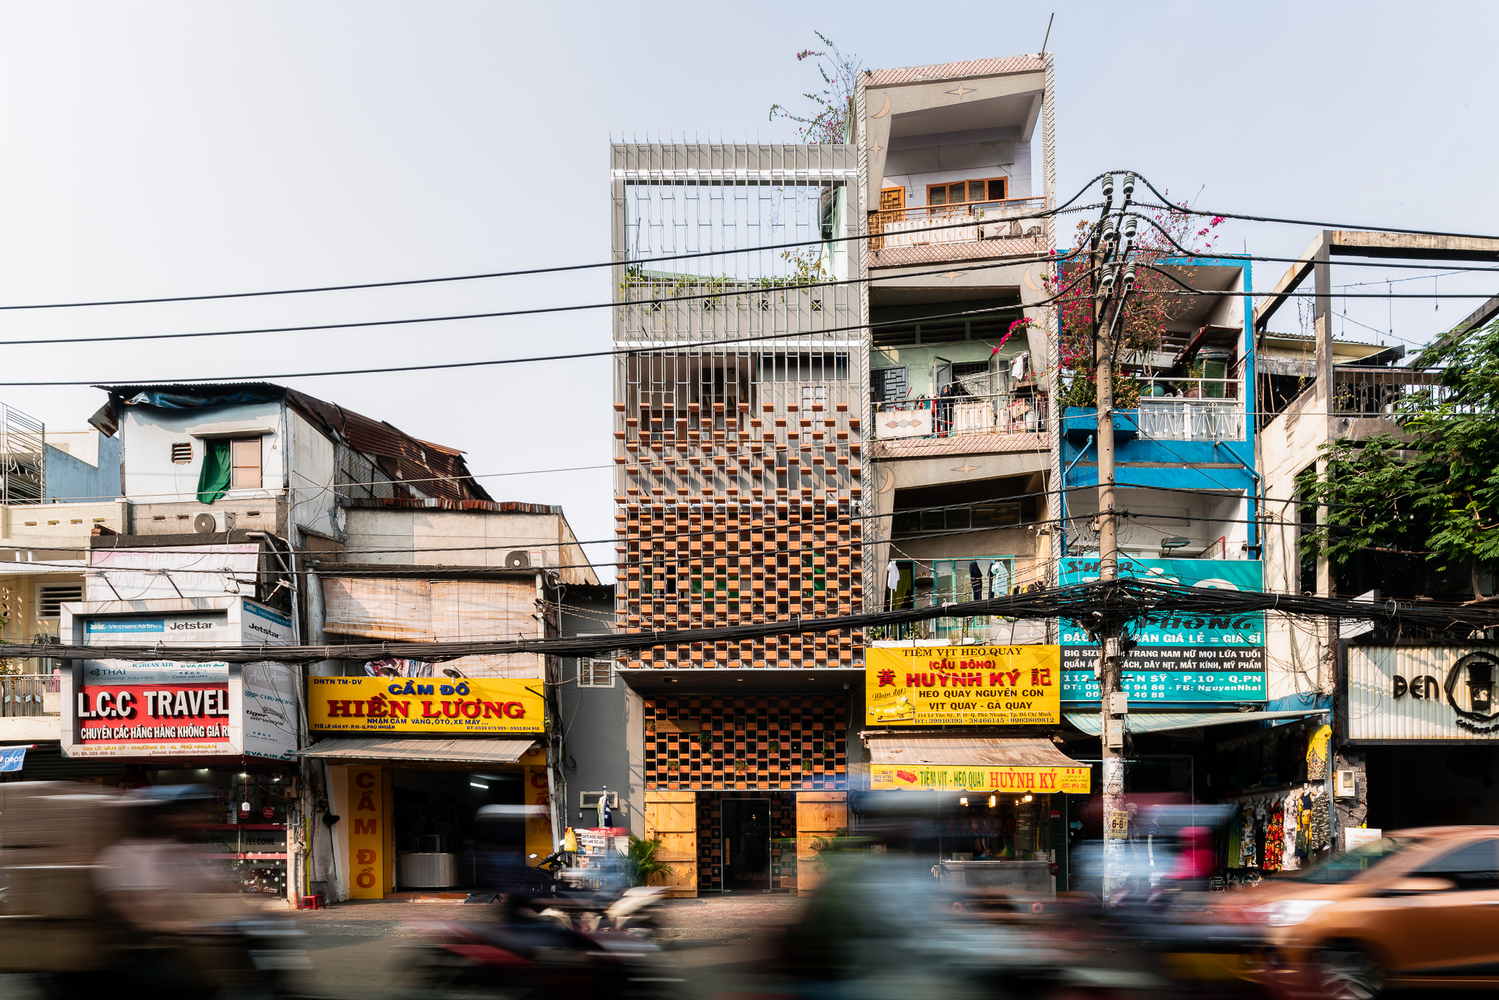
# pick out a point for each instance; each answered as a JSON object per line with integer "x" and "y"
{"x": 1288, "y": 912}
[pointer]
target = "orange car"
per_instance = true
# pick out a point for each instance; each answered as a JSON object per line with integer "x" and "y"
{"x": 1416, "y": 908}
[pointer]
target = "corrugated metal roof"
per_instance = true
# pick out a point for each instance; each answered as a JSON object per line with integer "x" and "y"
{"x": 427, "y": 751}
{"x": 1160, "y": 722}
{"x": 996, "y": 751}
{"x": 955, "y": 70}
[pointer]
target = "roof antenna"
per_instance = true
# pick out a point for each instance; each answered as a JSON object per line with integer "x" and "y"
{"x": 1050, "y": 19}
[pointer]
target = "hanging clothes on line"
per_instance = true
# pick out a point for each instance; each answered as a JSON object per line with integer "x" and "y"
{"x": 999, "y": 578}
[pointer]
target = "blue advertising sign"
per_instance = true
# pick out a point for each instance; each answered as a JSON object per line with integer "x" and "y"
{"x": 1176, "y": 657}
{"x": 12, "y": 758}
{"x": 97, "y": 626}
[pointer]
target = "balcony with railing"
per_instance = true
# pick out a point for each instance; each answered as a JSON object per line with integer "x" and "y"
{"x": 29, "y": 694}
{"x": 1191, "y": 409}
{"x": 944, "y": 232}
{"x": 1373, "y": 392}
{"x": 1001, "y": 421}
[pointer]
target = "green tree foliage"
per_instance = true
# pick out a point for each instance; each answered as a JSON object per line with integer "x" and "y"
{"x": 1431, "y": 488}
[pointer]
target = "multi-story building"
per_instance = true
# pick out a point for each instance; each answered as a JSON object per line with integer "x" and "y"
{"x": 740, "y": 434}
{"x": 1414, "y": 720}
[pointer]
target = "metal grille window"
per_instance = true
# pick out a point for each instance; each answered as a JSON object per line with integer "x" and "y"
{"x": 182, "y": 452}
{"x": 49, "y": 600}
{"x": 595, "y": 673}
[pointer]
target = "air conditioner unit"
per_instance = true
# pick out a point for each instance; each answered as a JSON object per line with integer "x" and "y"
{"x": 215, "y": 522}
{"x": 525, "y": 558}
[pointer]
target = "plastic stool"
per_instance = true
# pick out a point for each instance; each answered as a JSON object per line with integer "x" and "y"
{"x": 311, "y": 903}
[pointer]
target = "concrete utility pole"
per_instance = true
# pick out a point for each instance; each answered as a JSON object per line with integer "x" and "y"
{"x": 1112, "y": 702}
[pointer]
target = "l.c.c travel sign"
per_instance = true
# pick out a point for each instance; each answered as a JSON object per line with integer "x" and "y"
{"x": 424, "y": 705}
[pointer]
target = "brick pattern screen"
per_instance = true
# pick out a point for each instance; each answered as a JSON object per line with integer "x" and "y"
{"x": 770, "y": 742}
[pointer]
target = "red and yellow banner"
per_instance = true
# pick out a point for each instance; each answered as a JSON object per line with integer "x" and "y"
{"x": 424, "y": 705}
{"x": 962, "y": 685}
{"x": 366, "y": 839}
{"x": 972, "y": 778}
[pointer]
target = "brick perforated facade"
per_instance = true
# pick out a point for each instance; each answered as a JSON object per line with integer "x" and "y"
{"x": 767, "y": 742}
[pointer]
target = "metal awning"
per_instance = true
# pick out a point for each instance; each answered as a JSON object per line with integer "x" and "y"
{"x": 1160, "y": 722}
{"x": 996, "y": 751}
{"x": 423, "y": 751}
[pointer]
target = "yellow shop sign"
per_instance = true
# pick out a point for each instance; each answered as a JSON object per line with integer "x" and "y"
{"x": 979, "y": 778}
{"x": 424, "y": 705}
{"x": 962, "y": 685}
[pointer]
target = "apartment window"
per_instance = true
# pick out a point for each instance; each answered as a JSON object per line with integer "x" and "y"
{"x": 182, "y": 452}
{"x": 595, "y": 673}
{"x": 244, "y": 459}
{"x": 49, "y": 600}
{"x": 888, "y": 384}
{"x": 967, "y": 192}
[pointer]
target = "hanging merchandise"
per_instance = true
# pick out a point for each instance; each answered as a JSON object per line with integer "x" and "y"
{"x": 1235, "y": 836}
{"x": 1319, "y": 835}
{"x": 1317, "y": 750}
{"x": 1275, "y": 836}
{"x": 1303, "y": 825}
{"x": 1289, "y": 861}
{"x": 1246, "y": 840}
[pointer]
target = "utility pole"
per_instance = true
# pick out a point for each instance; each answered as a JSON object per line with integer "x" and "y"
{"x": 1112, "y": 701}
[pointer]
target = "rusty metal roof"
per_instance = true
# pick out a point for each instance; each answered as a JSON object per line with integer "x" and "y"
{"x": 437, "y": 470}
{"x": 955, "y": 70}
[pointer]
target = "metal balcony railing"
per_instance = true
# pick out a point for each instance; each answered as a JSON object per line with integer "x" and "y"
{"x": 1376, "y": 391}
{"x": 1191, "y": 409}
{"x": 961, "y": 416}
{"x": 928, "y": 224}
{"x": 29, "y": 694}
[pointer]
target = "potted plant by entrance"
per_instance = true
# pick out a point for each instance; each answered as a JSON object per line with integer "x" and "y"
{"x": 642, "y": 861}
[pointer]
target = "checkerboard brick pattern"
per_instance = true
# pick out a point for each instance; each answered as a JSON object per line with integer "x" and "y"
{"x": 769, "y": 742}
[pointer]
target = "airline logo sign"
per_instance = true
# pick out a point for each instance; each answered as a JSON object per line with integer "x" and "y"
{"x": 425, "y": 705}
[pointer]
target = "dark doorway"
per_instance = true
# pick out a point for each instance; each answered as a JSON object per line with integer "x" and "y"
{"x": 746, "y": 845}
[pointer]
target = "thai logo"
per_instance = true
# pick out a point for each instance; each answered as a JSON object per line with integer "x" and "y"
{"x": 1470, "y": 691}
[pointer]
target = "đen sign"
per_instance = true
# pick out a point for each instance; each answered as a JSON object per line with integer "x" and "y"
{"x": 424, "y": 705}
{"x": 1176, "y": 657}
{"x": 1423, "y": 693}
{"x": 962, "y": 685}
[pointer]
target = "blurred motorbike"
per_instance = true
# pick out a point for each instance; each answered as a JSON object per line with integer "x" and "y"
{"x": 522, "y": 957}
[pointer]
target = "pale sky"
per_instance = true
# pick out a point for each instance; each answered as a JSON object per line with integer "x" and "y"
{"x": 161, "y": 149}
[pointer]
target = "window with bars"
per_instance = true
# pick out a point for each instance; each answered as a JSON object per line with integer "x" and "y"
{"x": 595, "y": 673}
{"x": 50, "y": 599}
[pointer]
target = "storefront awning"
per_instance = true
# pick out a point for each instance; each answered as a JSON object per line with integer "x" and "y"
{"x": 1160, "y": 722}
{"x": 998, "y": 751}
{"x": 972, "y": 763}
{"x": 423, "y": 751}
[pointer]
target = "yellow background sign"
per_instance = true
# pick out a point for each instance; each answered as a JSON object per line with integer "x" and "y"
{"x": 962, "y": 685}
{"x": 366, "y": 838}
{"x": 977, "y": 778}
{"x": 424, "y": 705}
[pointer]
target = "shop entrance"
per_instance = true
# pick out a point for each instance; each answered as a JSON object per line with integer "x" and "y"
{"x": 434, "y": 826}
{"x": 746, "y": 833}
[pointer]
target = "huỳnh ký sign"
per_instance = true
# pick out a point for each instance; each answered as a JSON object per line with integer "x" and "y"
{"x": 425, "y": 705}
{"x": 962, "y": 685}
{"x": 1175, "y": 656}
{"x": 979, "y": 778}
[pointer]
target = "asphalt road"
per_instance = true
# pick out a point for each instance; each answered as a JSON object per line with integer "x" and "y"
{"x": 368, "y": 951}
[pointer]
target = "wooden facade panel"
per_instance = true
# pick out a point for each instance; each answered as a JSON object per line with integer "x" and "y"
{"x": 378, "y": 609}
{"x": 818, "y": 814}
{"x": 671, "y": 816}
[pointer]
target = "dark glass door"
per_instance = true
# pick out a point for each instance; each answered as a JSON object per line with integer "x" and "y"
{"x": 746, "y": 845}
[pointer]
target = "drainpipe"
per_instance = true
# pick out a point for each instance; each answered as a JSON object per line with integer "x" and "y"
{"x": 1254, "y": 497}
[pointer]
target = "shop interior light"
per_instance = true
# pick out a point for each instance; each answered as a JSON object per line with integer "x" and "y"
{"x": 993, "y": 801}
{"x": 478, "y": 784}
{"x": 963, "y": 801}
{"x": 1027, "y": 798}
